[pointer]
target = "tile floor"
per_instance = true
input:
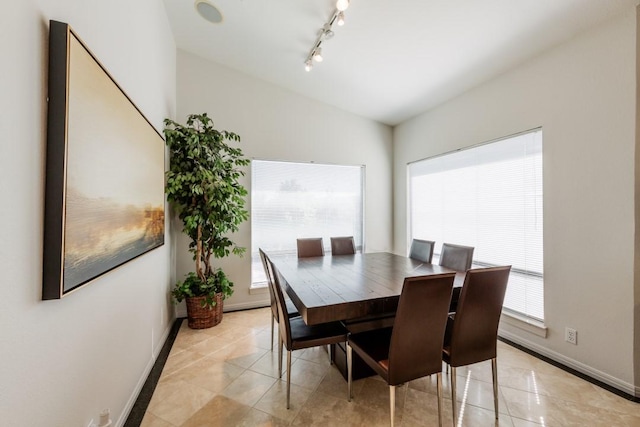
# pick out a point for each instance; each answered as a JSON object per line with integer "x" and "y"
{"x": 227, "y": 376}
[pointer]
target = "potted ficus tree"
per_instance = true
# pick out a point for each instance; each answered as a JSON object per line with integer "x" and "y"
{"x": 202, "y": 185}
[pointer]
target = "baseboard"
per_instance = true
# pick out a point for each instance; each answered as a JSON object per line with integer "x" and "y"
{"x": 244, "y": 306}
{"x": 181, "y": 309}
{"x": 143, "y": 378}
{"x": 607, "y": 381}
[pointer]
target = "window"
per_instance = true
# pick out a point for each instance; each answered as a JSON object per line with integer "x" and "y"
{"x": 294, "y": 200}
{"x": 489, "y": 197}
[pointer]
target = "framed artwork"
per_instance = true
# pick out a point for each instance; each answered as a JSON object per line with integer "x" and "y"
{"x": 104, "y": 197}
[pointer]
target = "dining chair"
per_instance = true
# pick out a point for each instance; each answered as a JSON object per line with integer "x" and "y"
{"x": 291, "y": 309}
{"x": 297, "y": 335}
{"x": 472, "y": 332}
{"x": 456, "y": 257}
{"x": 422, "y": 250}
{"x": 405, "y": 351}
{"x": 309, "y": 247}
{"x": 342, "y": 246}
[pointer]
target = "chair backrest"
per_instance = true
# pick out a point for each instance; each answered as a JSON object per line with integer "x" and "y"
{"x": 343, "y": 246}
{"x": 475, "y": 328}
{"x": 266, "y": 264}
{"x": 310, "y": 247}
{"x": 418, "y": 329}
{"x": 285, "y": 325}
{"x": 456, "y": 257}
{"x": 422, "y": 250}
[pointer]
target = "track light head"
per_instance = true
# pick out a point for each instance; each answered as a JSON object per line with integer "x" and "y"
{"x": 342, "y": 5}
{"x": 317, "y": 54}
{"x": 308, "y": 65}
{"x": 326, "y": 31}
{"x": 340, "y": 19}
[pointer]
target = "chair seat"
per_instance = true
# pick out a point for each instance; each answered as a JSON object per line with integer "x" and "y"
{"x": 292, "y": 310}
{"x": 373, "y": 348}
{"x": 305, "y": 336}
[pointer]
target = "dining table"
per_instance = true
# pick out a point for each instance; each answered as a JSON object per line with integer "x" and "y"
{"x": 361, "y": 290}
{"x": 350, "y": 287}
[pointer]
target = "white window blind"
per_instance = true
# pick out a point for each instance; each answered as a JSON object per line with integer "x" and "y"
{"x": 296, "y": 200}
{"x": 488, "y": 197}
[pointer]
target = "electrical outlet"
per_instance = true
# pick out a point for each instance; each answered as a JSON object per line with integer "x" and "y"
{"x": 571, "y": 336}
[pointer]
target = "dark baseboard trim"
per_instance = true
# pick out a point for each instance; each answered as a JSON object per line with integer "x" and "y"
{"x": 572, "y": 371}
{"x": 146, "y": 393}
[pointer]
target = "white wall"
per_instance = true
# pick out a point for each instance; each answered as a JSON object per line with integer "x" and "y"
{"x": 276, "y": 124}
{"x": 63, "y": 361}
{"x": 582, "y": 94}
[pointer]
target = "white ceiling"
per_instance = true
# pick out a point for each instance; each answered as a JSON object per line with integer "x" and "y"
{"x": 392, "y": 59}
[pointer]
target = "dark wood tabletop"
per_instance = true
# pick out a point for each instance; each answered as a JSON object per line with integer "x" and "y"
{"x": 348, "y": 287}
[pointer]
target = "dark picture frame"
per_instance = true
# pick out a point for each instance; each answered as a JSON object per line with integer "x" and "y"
{"x": 104, "y": 191}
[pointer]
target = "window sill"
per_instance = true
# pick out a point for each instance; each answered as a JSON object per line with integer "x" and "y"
{"x": 258, "y": 289}
{"x": 521, "y": 322}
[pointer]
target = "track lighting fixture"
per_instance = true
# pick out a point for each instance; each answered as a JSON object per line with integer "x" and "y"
{"x": 325, "y": 33}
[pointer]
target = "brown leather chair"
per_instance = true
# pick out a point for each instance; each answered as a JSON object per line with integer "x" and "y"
{"x": 456, "y": 257}
{"x": 310, "y": 247}
{"x": 342, "y": 246}
{"x": 412, "y": 347}
{"x": 296, "y": 335}
{"x": 472, "y": 331}
{"x": 291, "y": 309}
{"x": 422, "y": 250}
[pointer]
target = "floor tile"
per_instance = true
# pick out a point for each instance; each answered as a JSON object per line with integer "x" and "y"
{"x": 249, "y": 387}
{"x": 180, "y": 403}
{"x": 268, "y": 363}
{"x": 151, "y": 420}
{"x": 274, "y": 401}
{"x": 257, "y": 418}
{"x": 307, "y": 374}
{"x": 219, "y": 411}
{"x": 209, "y": 373}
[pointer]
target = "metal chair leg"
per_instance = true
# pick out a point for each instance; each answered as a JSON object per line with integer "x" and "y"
{"x": 349, "y": 372}
{"x": 288, "y": 376}
{"x": 439, "y": 391}
{"x": 453, "y": 396}
{"x": 272, "y": 321}
{"x": 279, "y": 354}
{"x": 332, "y": 348}
{"x": 392, "y": 402}
{"x": 494, "y": 370}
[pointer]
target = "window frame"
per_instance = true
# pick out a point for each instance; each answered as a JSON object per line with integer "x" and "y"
{"x": 527, "y": 318}
{"x": 256, "y": 286}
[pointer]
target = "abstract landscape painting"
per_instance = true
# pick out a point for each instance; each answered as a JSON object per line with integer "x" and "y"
{"x": 113, "y": 177}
